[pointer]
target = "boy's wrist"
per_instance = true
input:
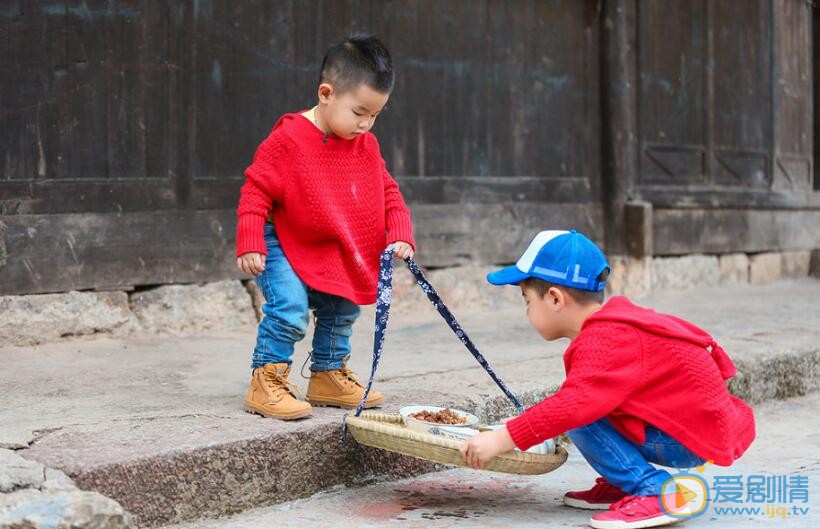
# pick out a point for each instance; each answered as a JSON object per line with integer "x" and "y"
{"x": 504, "y": 440}
{"x": 521, "y": 432}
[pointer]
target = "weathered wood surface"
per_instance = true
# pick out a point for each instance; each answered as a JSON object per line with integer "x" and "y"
{"x": 102, "y": 99}
{"x": 544, "y": 113}
{"x": 619, "y": 131}
{"x": 494, "y": 233}
{"x": 701, "y": 125}
{"x": 54, "y": 253}
{"x": 141, "y": 116}
{"x": 719, "y": 231}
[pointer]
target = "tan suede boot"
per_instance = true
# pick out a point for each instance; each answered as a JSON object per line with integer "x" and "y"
{"x": 272, "y": 395}
{"x": 339, "y": 388}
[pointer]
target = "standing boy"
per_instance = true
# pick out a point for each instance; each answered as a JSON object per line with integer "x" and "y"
{"x": 317, "y": 209}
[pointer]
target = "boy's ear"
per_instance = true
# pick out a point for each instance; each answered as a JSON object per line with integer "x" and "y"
{"x": 325, "y": 92}
{"x": 555, "y": 298}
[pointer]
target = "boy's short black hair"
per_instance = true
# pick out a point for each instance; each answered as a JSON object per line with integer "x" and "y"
{"x": 583, "y": 297}
{"x": 361, "y": 59}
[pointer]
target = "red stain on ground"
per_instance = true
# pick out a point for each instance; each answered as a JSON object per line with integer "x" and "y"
{"x": 382, "y": 511}
{"x": 446, "y": 499}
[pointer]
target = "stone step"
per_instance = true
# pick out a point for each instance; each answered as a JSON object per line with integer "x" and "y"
{"x": 468, "y": 499}
{"x": 33, "y": 496}
{"x": 244, "y": 462}
{"x": 156, "y": 423}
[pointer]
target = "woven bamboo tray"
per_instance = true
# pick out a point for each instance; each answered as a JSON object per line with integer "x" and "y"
{"x": 387, "y": 431}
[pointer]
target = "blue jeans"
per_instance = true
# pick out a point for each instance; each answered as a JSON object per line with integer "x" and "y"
{"x": 626, "y": 464}
{"x": 287, "y": 300}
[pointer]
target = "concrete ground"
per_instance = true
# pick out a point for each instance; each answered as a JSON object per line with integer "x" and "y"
{"x": 469, "y": 499}
{"x": 156, "y": 422}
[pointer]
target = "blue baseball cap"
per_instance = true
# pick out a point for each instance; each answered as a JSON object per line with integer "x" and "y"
{"x": 560, "y": 257}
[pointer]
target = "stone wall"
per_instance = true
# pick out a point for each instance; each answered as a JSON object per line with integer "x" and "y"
{"x": 29, "y": 320}
{"x": 639, "y": 277}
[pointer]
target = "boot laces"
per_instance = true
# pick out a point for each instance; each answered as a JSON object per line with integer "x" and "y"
{"x": 304, "y": 364}
{"x": 279, "y": 382}
{"x": 346, "y": 375}
{"x": 349, "y": 376}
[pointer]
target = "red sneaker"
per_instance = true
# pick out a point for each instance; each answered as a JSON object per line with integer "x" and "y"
{"x": 635, "y": 512}
{"x": 601, "y": 496}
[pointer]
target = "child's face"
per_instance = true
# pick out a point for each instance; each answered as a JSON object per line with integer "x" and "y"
{"x": 351, "y": 113}
{"x": 544, "y": 312}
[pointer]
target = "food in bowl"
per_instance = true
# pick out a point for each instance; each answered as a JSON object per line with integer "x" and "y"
{"x": 445, "y": 416}
{"x": 424, "y": 418}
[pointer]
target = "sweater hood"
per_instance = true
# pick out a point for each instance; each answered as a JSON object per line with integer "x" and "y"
{"x": 297, "y": 125}
{"x": 620, "y": 310}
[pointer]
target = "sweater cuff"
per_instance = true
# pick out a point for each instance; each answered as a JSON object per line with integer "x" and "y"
{"x": 250, "y": 235}
{"x": 399, "y": 227}
{"x": 522, "y": 432}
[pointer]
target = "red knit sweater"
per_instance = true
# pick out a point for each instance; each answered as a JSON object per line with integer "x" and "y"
{"x": 334, "y": 205}
{"x": 636, "y": 366}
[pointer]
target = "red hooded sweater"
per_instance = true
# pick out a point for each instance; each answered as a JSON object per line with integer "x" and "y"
{"x": 636, "y": 366}
{"x": 334, "y": 205}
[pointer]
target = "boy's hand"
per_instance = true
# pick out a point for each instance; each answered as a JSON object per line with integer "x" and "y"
{"x": 251, "y": 263}
{"x": 483, "y": 447}
{"x": 402, "y": 250}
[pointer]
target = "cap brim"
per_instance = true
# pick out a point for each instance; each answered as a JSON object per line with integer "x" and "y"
{"x": 510, "y": 275}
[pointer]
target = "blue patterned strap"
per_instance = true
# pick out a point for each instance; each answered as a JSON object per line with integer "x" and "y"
{"x": 451, "y": 320}
{"x": 383, "y": 301}
{"x": 385, "y": 296}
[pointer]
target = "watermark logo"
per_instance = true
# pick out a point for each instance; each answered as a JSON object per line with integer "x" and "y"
{"x": 685, "y": 496}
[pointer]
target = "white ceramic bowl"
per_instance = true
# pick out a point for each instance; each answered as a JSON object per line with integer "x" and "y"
{"x": 434, "y": 427}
